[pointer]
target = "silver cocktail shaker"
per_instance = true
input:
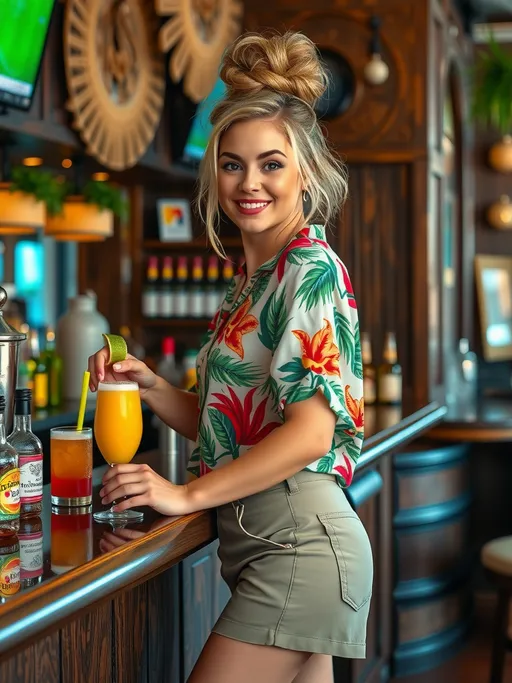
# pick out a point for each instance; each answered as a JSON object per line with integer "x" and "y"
{"x": 9, "y": 355}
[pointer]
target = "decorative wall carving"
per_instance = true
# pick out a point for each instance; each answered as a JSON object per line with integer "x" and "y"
{"x": 115, "y": 77}
{"x": 199, "y": 31}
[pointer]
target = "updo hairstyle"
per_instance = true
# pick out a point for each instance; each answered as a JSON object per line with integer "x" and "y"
{"x": 277, "y": 77}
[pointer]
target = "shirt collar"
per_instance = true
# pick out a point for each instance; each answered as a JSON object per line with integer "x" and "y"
{"x": 316, "y": 232}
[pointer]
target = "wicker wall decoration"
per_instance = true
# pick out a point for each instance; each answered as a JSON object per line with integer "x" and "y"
{"x": 199, "y": 31}
{"x": 115, "y": 76}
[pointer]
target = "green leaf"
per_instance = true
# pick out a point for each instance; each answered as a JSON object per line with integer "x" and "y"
{"x": 300, "y": 393}
{"x": 273, "y": 320}
{"x": 326, "y": 463}
{"x": 224, "y": 430}
{"x": 296, "y": 371}
{"x": 230, "y": 293}
{"x": 299, "y": 255}
{"x": 318, "y": 285}
{"x": 42, "y": 185}
{"x": 224, "y": 369}
{"x": 353, "y": 450}
{"x": 357, "y": 360}
{"x": 207, "y": 445}
{"x": 107, "y": 197}
{"x": 344, "y": 336}
{"x": 271, "y": 387}
{"x": 260, "y": 286}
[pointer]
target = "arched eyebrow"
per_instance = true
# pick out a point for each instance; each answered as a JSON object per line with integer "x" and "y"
{"x": 263, "y": 155}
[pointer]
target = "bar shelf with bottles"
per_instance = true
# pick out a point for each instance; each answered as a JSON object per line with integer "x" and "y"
{"x": 185, "y": 290}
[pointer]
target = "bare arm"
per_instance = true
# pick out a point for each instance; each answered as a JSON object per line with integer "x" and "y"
{"x": 305, "y": 436}
{"x": 175, "y": 407}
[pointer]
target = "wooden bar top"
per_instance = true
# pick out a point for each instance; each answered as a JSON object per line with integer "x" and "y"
{"x": 79, "y": 573}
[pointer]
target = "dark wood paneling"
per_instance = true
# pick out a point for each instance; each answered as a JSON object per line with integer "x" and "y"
{"x": 421, "y": 621}
{"x": 39, "y": 663}
{"x": 130, "y": 635}
{"x": 165, "y": 634}
{"x": 86, "y": 648}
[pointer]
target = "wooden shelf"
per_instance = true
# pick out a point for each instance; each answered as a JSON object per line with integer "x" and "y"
{"x": 157, "y": 245}
{"x": 183, "y": 322}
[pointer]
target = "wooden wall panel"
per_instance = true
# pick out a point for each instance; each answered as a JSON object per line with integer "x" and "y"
{"x": 39, "y": 663}
{"x": 88, "y": 639}
{"x": 130, "y": 634}
{"x": 374, "y": 241}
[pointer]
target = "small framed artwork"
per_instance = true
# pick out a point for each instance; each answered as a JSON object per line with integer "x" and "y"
{"x": 174, "y": 220}
{"x": 494, "y": 290}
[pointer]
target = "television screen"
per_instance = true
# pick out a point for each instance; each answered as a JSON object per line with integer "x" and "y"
{"x": 23, "y": 31}
{"x": 201, "y": 127}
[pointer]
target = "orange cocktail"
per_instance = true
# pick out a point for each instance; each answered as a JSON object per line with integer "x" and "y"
{"x": 71, "y": 466}
{"x": 118, "y": 421}
{"x": 118, "y": 431}
{"x": 72, "y": 539}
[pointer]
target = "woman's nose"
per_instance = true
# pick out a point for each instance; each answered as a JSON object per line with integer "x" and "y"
{"x": 250, "y": 182}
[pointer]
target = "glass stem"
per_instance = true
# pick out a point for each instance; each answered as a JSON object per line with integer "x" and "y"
{"x": 114, "y": 502}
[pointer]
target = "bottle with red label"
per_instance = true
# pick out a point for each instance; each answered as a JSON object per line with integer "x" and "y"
{"x": 165, "y": 294}
{"x": 30, "y": 455}
{"x": 30, "y": 537}
{"x": 9, "y": 567}
{"x": 181, "y": 303}
{"x": 212, "y": 296}
{"x": 9, "y": 482}
{"x": 196, "y": 305}
{"x": 150, "y": 293}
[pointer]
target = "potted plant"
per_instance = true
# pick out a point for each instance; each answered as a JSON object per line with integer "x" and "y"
{"x": 89, "y": 217}
{"x": 492, "y": 100}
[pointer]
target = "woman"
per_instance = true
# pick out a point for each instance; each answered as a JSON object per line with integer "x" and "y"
{"x": 279, "y": 387}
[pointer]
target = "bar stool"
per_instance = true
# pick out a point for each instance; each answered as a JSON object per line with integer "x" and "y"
{"x": 496, "y": 558}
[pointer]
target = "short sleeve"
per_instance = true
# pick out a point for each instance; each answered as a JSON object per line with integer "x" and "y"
{"x": 318, "y": 349}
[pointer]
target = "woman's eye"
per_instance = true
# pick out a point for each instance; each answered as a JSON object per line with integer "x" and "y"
{"x": 231, "y": 166}
{"x": 273, "y": 166}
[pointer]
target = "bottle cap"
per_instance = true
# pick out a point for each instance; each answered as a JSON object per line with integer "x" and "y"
{"x": 2, "y": 404}
{"x": 168, "y": 346}
{"x": 22, "y": 400}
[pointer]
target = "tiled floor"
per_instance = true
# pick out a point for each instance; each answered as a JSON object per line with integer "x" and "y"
{"x": 471, "y": 665}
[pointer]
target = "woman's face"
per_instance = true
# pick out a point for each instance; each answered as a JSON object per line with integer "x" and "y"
{"x": 259, "y": 185}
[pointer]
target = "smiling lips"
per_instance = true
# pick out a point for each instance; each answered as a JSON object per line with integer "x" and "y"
{"x": 251, "y": 207}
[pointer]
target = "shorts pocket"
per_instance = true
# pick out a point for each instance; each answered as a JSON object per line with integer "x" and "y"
{"x": 353, "y": 553}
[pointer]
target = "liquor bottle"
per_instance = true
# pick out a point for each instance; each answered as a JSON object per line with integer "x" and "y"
{"x": 30, "y": 455}
{"x": 30, "y": 537}
{"x": 180, "y": 293}
{"x": 189, "y": 378}
{"x": 227, "y": 275}
{"x": 41, "y": 384}
{"x": 212, "y": 287}
{"x": 54, "y": 368}
{"x": 389, "y": 380}
{"x": 9, "y": 482}
{"x": 167, "y": 367}
{"x": 369, "y": 371}
{"x": 150, "y": 293}
{"x": 165, "y": 293}
{"x": 196, "y": 304}
{"x": 9, "y": 567}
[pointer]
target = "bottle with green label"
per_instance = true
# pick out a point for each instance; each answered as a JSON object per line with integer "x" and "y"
{"x": 9, "y": 482}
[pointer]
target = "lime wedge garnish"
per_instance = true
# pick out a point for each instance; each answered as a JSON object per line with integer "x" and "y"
{"x": 117, "y": 348}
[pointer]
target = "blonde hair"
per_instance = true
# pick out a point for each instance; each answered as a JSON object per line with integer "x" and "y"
{"x": 278, "y": 77}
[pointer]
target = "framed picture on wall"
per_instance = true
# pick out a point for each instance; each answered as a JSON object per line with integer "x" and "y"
{"x": 494, "y": 291}
{"x": 174, "y": 220}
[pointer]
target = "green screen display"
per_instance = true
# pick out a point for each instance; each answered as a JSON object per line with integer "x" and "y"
{"x": 23, "y": 30}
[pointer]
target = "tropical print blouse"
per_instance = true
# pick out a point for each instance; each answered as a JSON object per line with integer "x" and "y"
{"x": 290, "y": 332}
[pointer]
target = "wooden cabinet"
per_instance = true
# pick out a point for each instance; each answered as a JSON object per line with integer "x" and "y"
{"x": 151, "y": 633}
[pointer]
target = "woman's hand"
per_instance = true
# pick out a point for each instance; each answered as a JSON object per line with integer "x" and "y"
{"x": 129, "y": 369}
{"x": 145, "y": 487}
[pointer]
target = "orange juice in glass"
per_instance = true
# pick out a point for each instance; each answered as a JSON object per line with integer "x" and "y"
{"x": 118, "y": 431}
{"x": 71, "y": 466}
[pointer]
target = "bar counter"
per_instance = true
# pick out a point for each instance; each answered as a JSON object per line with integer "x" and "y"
{"x": 122, "y": 614}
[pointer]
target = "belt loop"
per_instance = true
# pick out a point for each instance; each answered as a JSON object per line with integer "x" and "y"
{"x": 293, "y": 487}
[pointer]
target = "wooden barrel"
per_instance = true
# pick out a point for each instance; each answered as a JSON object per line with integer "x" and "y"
{"x": 432, "y": 599}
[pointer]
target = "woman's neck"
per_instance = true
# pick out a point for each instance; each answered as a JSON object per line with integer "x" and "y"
{"x": 259, "y": 248}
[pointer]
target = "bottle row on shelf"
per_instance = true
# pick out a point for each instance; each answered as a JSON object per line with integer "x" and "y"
{"x": 383, "y": 383}
{"x": 183, "y": 288}
{"x": 41, "y": 370}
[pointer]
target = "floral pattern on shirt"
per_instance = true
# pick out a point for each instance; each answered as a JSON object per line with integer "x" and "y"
{"x": 289, "y": 332}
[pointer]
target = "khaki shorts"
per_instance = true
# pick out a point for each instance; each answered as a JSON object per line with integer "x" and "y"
{"x": 299, "y": 565}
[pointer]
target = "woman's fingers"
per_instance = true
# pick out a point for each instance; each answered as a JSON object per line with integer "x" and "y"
{"x": 126, "y": 468}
